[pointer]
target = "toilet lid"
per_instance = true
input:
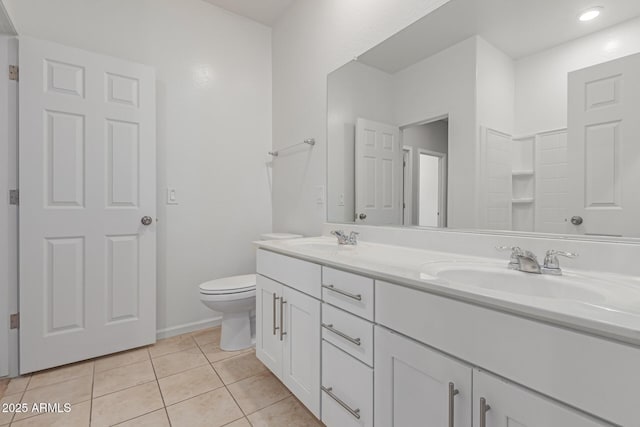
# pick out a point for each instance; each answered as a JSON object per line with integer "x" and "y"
{"x": 229, "y": 285}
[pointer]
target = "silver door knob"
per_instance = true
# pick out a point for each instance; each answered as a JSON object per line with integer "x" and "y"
{"x": 576, "y": 220}
{"x": 362, "y": 216}
{"x": 146, "y": 220}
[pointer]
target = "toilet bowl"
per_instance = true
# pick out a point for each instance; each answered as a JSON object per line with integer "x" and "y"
{"x": 235, "y": 298}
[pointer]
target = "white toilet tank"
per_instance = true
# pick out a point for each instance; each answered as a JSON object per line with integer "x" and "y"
{"x": 279, "y": 236}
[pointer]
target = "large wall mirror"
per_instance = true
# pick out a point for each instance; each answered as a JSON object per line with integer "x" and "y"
{"x": 495, "y": 115}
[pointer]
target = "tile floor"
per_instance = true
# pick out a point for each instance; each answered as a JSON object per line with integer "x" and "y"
{"x": 180, "y": 381}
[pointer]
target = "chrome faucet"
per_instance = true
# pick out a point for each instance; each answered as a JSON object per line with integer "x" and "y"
{"x": 343, "y": 239}
{"x": 526, "y": 261}
{"x": 522, "y": 260}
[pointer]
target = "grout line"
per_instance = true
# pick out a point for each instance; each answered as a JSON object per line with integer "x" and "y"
{"x": 122, "y": 389}
{"x": 164, "y": 404}
{"x": 93, "y": 381}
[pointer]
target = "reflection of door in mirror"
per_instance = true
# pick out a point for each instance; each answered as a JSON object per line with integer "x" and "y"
{"x": 604, "y": 148}
{"x": 378, "y": 173}
{"x": 425, "y": 195}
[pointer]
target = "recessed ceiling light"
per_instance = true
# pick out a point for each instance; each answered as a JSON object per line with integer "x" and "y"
{"x": 590, "y": 14}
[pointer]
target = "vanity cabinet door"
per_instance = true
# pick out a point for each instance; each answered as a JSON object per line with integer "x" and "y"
{"x": 510, "y": 405}
{"x": 411, "y": 385}
{"x": 268, "y": 344}
{"x": 301, "y": 347}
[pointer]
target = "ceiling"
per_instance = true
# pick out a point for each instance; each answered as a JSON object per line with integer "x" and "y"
{"x": 6, "y": 27}
{"x": 264, "y": 11}
{"x": 518, "y": 28}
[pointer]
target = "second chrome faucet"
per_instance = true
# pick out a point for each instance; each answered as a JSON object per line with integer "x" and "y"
{"x": 526, "y": 261}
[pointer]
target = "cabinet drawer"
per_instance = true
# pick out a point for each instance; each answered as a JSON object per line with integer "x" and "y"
{"x": 348, "y": 291}
{"x": 297, "y": 274}
{"x": 347, "y": 400}
{"x": 348, "y": 332}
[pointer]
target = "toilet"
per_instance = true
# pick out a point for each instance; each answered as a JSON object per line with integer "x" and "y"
{"x": 235, "y": 298}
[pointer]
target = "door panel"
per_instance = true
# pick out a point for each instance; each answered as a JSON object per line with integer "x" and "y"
{"x": 603, "y": 147}
{"x": 512, "y": 406}
{"x": 301, "y": 361}
{"x": 378, "y": 173}
{"x": 268, "y": 344}
{"x": 411, "y": 382}
{"x": 87, "y": 176}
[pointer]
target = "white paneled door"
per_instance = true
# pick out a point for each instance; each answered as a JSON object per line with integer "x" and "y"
{"x": 87, "y": 180}
{"x": 378, "y": 169}
{"x": 604, "y": 148}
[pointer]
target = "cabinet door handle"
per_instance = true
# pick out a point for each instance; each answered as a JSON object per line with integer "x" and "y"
{"x": 484, "y": 408}
{"x": 354, "y": 412}
{"x": 275, "y": 298}
{"x": 282, "y": 332}
{"x": 330, "y": 327}
{"x": 356, "y": 297}
{"x": 452, "y": 393}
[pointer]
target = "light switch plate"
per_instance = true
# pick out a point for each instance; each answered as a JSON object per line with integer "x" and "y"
{"x": 172, "y": 196}
{"x": 320, "y": 194}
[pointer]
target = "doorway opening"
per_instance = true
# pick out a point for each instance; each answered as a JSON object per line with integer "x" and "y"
{"x": 425, "y": 149}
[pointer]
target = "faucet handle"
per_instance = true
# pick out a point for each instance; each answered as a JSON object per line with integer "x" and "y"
{"x": 551, "y": 263}
{"x": 515, "y": 250}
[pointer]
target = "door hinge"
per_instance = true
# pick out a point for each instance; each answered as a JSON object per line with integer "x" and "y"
{"x": 14, "y": 197}
{"x": 14, "y": 72}
{"x": 14, "y": 321}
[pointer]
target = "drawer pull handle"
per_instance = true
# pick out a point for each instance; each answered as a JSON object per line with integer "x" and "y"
{"x": 452, "y": 393}
{"x": 282, "y": 332}
{"x": 275, "y": 298}
{"x": 356, "y": 297}
{"x": 484, "y": 408}
{"x": 354, "y": 412}
{"x": 330, "y": 327}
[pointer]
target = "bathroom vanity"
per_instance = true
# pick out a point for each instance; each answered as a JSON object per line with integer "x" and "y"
{"x": 385, "y": 335}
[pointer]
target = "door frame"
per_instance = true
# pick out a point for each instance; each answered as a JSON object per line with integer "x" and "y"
{"x": 442, "y": 184}
{"x": 8, "y": 213}
{"x": 407, "y": 185}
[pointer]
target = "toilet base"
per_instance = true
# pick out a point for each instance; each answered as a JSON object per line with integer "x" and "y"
{"x": 236, "y": 331}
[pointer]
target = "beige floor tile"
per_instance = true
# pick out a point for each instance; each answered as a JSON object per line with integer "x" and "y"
{"x": 123, "y": 377}
{"x": 189, "y": 384}
{"x": 6, "y": 417}
{"x": 173, "y": 363}
{"x": 172, "y": 345}
{"x": 258, "y": 392}
{"x": 4, "y": 383}
{"x": 215, "y": 354}
{"x": 287, "y": 413}
{"x": 239, "y": 367}
{"x": 78, "y": 417}
{"x": 126, "y": 404}
{"x": 242, "y": 422}
{"x": 73, "y": 391}
{"x": 212, "y": 409}
{"x": 17, "y": 385}
{"x": 122, "y": 359}
{"x": 154, "y": 419}
{"x": 207, "y": 336}
{"x": 64, "y": 373}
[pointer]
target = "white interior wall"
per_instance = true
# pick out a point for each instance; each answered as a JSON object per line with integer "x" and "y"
{"x": 214, "y": 128}
{"x": 310, "y": 40}
{"x": 357, "y": 90}
{"x": 541, "y": 79}
{"x": 495, "y": 87}
{"x": 445, "y": 84}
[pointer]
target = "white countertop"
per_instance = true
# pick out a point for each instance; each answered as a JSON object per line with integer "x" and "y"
{"x": 614, "y": 315}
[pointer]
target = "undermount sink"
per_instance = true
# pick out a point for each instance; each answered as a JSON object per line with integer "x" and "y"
{"x": 497, "y": 278}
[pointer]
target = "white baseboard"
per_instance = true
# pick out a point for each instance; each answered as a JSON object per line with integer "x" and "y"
{"x": 188, "y": 327}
